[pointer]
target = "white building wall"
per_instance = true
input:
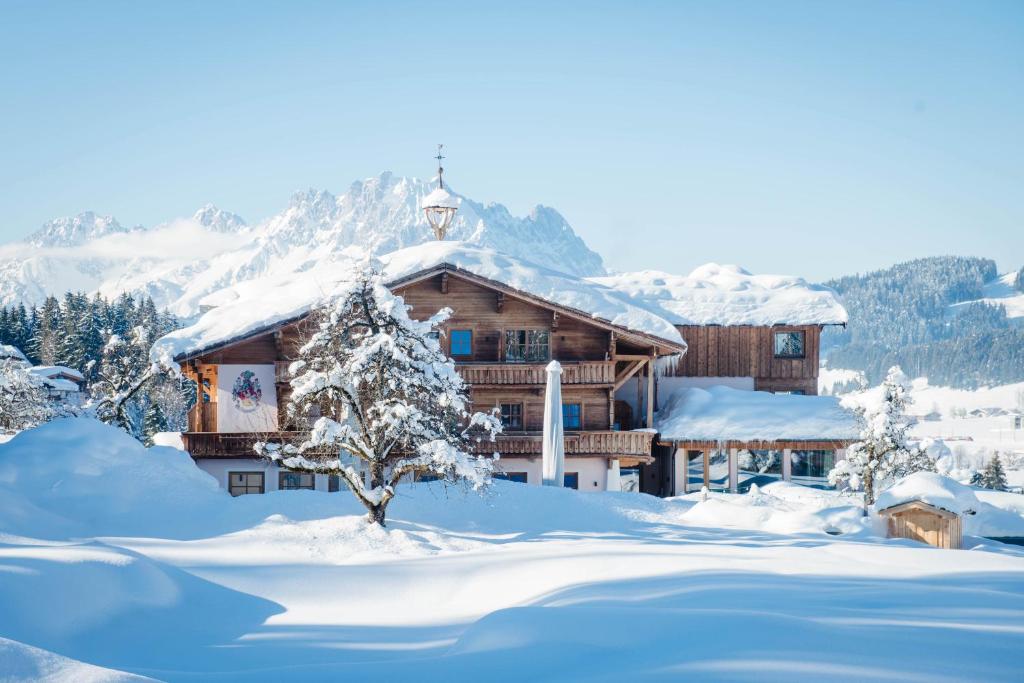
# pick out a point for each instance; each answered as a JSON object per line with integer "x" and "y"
{"x": 220, "y": 467}
{"x": 593, "y": 472}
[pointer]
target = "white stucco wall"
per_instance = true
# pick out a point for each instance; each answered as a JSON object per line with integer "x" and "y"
{"x": 593, "y": 472}
{"x": 220, "y": 467}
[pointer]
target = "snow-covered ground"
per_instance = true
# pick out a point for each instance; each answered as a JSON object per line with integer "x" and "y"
{"x": 132, "y": 560}
{"x": 973, "y": 423}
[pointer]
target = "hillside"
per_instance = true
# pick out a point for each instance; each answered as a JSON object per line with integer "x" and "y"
{"x": 952, "y": 319}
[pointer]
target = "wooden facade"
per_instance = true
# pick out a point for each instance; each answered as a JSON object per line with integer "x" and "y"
{"x": 597, "y": 357}
{"x": 748, "y": 351}
{"x": 920, "y": 521}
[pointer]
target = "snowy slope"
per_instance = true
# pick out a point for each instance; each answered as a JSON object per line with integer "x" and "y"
{"x": 529, "y": 583}
{"x": 1001, "y": 292}
{"x": 182, "y": 261}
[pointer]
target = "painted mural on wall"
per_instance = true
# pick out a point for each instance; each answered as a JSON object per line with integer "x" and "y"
{"x": 246, "y": 398}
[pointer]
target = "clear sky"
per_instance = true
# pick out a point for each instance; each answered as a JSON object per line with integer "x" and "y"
{"x": 814, "y": 138}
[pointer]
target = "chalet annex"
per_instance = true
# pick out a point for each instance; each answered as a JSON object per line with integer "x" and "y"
{"x": 670, "y": 383}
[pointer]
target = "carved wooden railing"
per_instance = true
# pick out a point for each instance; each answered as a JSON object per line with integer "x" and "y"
{"x": 573, "y": 372}
{"x": 628, "y": 444}
{"x": 576, "y": 372}
{"x": 636, "y": 444}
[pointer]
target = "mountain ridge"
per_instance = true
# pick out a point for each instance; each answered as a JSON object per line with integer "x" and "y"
{"x": 379, "y": 214}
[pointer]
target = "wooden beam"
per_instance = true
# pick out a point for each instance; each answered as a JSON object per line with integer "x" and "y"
{"x": 444, "y": 282}
{"x": 554, "y": 321}
{"x": 650, "y": 393}
{"x": 612, "y": 343}
{"x": 611, "y": 409}
{"x": 631, "y": 356}
{"x": 500, "y": 301}
{"x": 626, "y": 374}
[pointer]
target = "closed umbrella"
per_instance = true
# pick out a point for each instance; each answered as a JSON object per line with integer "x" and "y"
{"x": 553, "y": 450}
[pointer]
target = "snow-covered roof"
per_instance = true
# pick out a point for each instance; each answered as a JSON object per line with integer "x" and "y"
{"x": 727, "y": 414}
{"x": 256, "y": 305}
{"x": 440, "y": 197}
{"x": 716, "y": 294}
{"x": 52, "y": 371}
{"x": 931, "y": 488}
{"x": 8, "y": 352}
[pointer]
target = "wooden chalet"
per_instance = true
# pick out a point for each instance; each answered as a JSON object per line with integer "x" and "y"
{"x": 501, "y": 338}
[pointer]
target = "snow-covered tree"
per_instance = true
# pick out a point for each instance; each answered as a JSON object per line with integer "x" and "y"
{"x": 23, "y": 400}
{"x": 882, "y": 454}
{"x": 153, "y": 422}
{"x": 124, "y": 371}
{"x": 383, "y": 399}
{"x": 994, "y": 476}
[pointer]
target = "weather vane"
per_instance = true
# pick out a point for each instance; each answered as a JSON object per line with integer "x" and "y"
{"x": 439, "y": 205}
{"x": 440, "y": 169}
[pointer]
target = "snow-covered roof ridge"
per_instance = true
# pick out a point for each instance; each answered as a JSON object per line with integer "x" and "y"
{"x": 9, "y": 352}
{"x": 252, "y": 306}
{"x": 723, "y": 413}
{"x": 931, "y": 488}
{"x": 57, "y": 370}
{"x": 715, "y": 294}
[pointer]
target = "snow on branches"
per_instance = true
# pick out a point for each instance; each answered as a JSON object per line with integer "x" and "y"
{"x": 882, "y": 455}
{"x": 23, "y": 398}
{"x": 380, "y": 398}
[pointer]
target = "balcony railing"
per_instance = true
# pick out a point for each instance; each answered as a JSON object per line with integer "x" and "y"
{"x": 576, "y": 372}
{"x": 605, "y": 443}
{"x": 573, "y": 372}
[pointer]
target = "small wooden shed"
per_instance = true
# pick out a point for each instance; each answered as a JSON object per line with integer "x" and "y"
{"x": 920, "y": 521}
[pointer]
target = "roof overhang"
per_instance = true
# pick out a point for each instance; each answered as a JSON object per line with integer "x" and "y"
{"x": 662, "y": 347}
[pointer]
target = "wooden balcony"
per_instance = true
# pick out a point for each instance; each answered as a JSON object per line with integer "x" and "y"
{"x": 506, "y": 374}
{"x": 609, "y": 443}
{"x": 525, "y": 444}
{"x": 598, "y": 372}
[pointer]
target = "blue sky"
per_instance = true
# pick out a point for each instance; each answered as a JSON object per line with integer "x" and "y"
{"x": 801, "y": 137}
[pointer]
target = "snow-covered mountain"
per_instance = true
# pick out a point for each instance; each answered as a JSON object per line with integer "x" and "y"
{"x": 180, "y": 262}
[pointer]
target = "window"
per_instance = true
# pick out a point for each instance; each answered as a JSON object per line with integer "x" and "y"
{"x": 572, "y": 480}
{"x": 789, "y": 344}
{"x": 462, "y": 342}
{"x": 572, "y": 416}
{"x": 519, "y": 477}
{"x": 526, "y": 346}
{"x": 241, "y": 483}
{"x": 811, "y": 464}
{"x": 333, "y": 483}
{"x": 512, "y": 415}
{"x": 794, "y": 392}
{"x": 757, "y": 467}
{"x": 293, "y": 481}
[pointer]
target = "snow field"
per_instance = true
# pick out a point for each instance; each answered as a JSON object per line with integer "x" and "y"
{"x": 527, "y": 582}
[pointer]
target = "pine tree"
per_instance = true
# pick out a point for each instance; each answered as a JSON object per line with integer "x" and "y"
{"x": 882, "y": 455}
{"x": 994, "y": 477}
{"x": 123, "y": 372}
{"x": 390, "y": 404}
{"x": 153, "y": 422}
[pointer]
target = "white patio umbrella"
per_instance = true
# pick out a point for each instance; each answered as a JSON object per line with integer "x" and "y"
{"x": 553, "y": 450}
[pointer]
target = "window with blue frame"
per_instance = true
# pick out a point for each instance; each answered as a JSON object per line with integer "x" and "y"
{"x": 572, "y": 480}
{"x": 462, "y": 342}
{"x": 519, "y": 477}
{"x": 572, "y": 416}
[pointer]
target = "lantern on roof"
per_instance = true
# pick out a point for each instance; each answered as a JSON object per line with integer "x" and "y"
{"x": 440, "y": 206}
